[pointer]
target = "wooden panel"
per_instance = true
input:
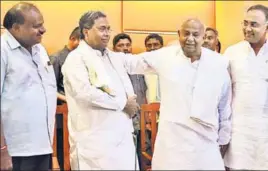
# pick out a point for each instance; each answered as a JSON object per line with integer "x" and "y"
{"x": 229, "y": 24}
{"x": 61, "y": 17}
{"x": 165, "y": 15}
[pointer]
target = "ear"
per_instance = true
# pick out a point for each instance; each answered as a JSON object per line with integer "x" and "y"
{"x": 16, "y": 26}
{"x": 85, "y": 32}
{"x": 72, "y": 38}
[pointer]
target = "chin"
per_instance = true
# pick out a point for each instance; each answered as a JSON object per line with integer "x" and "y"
{"x": 251, "y": 40}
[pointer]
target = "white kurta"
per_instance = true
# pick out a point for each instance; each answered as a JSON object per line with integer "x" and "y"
{"x": 100, "y": 132}
{"x": 249, "y": 144}
{"x": 200, "y": 90}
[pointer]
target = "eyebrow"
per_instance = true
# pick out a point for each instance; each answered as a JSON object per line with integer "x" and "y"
{"x": 250, "y": 21}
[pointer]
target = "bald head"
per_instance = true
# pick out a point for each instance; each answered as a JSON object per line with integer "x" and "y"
{"x": 191, "y": 37}
{"x": 193, "y": 22}
{"x": 15, "y": 15}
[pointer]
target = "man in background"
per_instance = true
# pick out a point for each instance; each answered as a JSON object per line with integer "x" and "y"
{"x": 123, "y": 43}
{"x": 153, "y": 42}
{"x": 28, "y": 90}
{"x": 211, "y": 40}
{"x": 57, "y": 60}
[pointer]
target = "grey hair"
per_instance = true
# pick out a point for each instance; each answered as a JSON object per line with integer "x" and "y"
{"x": 88, "y": 20}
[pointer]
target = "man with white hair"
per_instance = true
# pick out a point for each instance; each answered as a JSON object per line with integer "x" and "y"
{"x": 195, "y": 102}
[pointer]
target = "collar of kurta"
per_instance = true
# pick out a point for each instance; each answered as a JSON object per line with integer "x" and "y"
{"x": 264, "y": 48}
{"x": 14, "y": 44}
{"x": 99, "y": 53}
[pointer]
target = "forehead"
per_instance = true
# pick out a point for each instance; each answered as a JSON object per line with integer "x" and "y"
{"x": 123, "y": 41}
{"x": 152, "y": 40}
{"x": 255, "y": 16}
{"x": 101, "y": 21}
{"x": 192, "y": 26}
{"x": 210, "y": 33}
{"x": 33, "y": 17}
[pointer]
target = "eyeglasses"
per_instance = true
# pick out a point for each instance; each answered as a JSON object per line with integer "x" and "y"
{"x": 104, "y": 29}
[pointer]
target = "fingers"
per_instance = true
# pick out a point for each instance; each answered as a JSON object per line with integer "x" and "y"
{"x": 132, "y": 98}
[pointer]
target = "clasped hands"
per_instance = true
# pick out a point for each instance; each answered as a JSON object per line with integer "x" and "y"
{"x": 132, "y": 107}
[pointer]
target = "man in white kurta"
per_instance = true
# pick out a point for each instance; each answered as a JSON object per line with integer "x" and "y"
{"x": 249, "y": 71}
{"x": 100, "y": 131}
{"x": 195, "y": 102}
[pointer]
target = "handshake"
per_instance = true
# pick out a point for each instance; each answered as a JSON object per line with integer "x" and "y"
{"x": 132, "y": 107}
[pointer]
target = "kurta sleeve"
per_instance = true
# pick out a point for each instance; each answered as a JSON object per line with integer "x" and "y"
{"x": 143, "y": 63}
{"x": 225, "y": 112}
{"x": 76, "y": 79}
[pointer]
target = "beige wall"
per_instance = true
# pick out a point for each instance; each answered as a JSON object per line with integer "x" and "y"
{"x": 62, "y": 16}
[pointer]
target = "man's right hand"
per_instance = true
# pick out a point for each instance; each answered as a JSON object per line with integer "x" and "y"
{"x": 132, "y": 106}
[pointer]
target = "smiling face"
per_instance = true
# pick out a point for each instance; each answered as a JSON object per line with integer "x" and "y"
{"x": 191, "y": 37}
{"x": 30, "y": 32}
{"x": 254, "y": 26}
{"x": 210, "y": 40}
{"x": 99, "y": 35}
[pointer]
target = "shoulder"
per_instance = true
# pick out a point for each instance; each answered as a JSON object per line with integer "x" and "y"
{"x": 236, "y": 47}
{"x": 216, "y": 59}
{"x": 73, "y": 58}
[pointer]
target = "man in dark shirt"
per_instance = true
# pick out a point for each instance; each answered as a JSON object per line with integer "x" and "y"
{"x": 59, "y": 57}
{"x": 57, "y": 60}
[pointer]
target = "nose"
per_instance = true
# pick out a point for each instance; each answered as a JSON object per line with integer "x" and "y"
{"x": 125, "y": 47}
{"x": 43, "y": 30}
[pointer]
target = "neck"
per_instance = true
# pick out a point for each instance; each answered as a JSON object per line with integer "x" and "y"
{"x": 95, "y": 47}
{"x": 27, "y": 47}
{"x": 70, "y": 47}
{"x": 257, "y": 46}
{"x": 193, "y": 57}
